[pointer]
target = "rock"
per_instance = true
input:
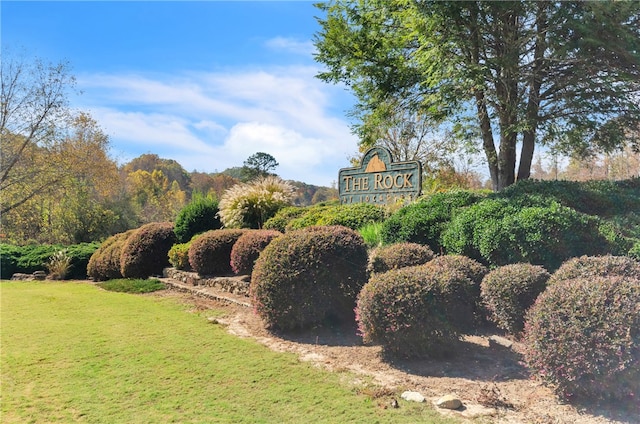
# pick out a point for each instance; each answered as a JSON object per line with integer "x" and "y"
{"x": 449, "y": 402}
{"x": 495, "y": 341}
{"x": 412, "y": 397}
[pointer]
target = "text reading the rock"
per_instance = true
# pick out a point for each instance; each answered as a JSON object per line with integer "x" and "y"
{"x": 379, "y": 180}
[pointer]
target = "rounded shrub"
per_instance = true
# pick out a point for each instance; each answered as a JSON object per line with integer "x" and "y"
{"x": 282, "y": 218}
{"x": 104, "y": 264}
{"x": 465, "y": 301}
{"x": 309, "y": 276}
{"x": 309, "y": 217}
{"x": 179, "y": 256}
{"x": 200, "y": 215}
{"x": 587, "y": 267}
{"x": 246, "y": 250}
{"x": 210, "y": 253}
{"x": 399, "y": 255}
{"x": 583, "y": 337}
{"x": 408, "y": 311}
{"x": 509, "y": 291}
{"x": 352, "y": 216}
{"x": 145, "y": 252}
{"x": 424, "y": 221}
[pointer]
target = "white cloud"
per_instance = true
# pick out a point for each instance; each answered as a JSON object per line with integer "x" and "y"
{"x": 291, "y": 45}
{"x": 211, "y": 121}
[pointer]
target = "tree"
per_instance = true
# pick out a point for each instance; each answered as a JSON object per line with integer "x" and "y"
{"x": 259, "y": 165}
{"x": 33, "y": 111}
{"x": 562, "y": 73}
{"x": 169, "y": 167}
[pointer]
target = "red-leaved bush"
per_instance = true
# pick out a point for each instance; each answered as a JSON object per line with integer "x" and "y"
{"x": 210, "y": 252}
{"x": 583, "y": 337}
{"x": 246, "y": 250}
{"x": 104, "y": 264}
{"x": 398, "y": 255}
{"x": 145, "y": 252}
{"x": 309, "y": 276}
{"x": 591, "y": 266}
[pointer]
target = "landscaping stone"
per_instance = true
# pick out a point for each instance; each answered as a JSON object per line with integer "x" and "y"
{"x": 449, "y": 402}
{"x": 412, "y": 397}
{"x": 497, "y": 341}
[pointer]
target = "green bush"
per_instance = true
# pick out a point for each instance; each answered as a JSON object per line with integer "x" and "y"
{"x": 145, "y": 252}
{"x": 210, "y": 253}
{"x": 179, "y": 256}
{"x": 465, "y": 303}
{"x": 587, "y": 267}
{"x": 27, "y": 259}
{"x": 9, "y": 257}
{"x": 582, "y": 336}
{"x": 309, "y": 276}
{"x": 352, "y": 216}
{"x": 250, "y": 205}
{"x": 499, "y": 233}
{"x": 282, "y": 218}
{"x": 408, "y": 311}
{"x": 310, "y": 217}
{"x": 634, "y": 252}
{"x": 509, "y": 291}
{"x": 399, "y": 255}
{"x": 371, "y": 234}
{"x": 424, "y": 221}
{"x": 104, "y": 264}
{"x": 200, "y": 215}
{"x": 136, "y": 286}
{"x": 246, "y": 250}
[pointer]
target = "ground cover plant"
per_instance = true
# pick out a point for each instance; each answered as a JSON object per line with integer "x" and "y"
{"x": 30, "y": 258}
{"x": 131, "y": 285}
{"x": 74, "y": 353}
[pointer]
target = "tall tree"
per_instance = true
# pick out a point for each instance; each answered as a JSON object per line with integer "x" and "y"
{"x": 564, "y": 73}
{"x": 259, "y": 164}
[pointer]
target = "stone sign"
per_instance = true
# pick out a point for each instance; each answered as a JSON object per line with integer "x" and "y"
{"x": 379, "y": 180}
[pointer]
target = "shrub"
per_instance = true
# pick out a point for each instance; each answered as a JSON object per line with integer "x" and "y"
{"x": 309, "y": 217}
{"x": 145, "y": 252}
{"x": 179, "y": 256}
{"x": 407, "y": 311}
{"x": 308, "y": 277}
{"x": 583, "y": 337}
{"x": 465, "y": 302}
{"x": 9, "y": 256}
{"x": 352, "y": 216}
{"x": 587, "y": 267}
{"x": 424, "y": 221}
{"x": 282, "y": 218}
{"x": 200, "y": 215}
{"x": 371, "y": 234}
{"x": 399, "y": 255}
{"x": 634, "y": 252}
{"x": 104, "y": 264}
{"x": 246, "y": 250}
{"x": 210, "y": 253}
{"x": 28, "y": 259}
{"x": 58, "y": 265}
{"x": 509, "y": 291}
{"x": 250, "y": 205}
{"x": 80, "y": 255}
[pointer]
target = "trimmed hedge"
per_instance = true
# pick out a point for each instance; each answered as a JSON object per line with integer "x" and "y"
{"x": 145, "y": 252}
{"x": 596, "y": 266}
{"x": 104, "y": 264}
{"x": 246, "y": 250}
{"x": 200, "y": 215}
{"x": 582, "y": 336}
{"x": 28, "y": 259}
{"x": 409, "y": 311}
{"x": 308, "y": 277}
{"x": 179, "y": 256}
{"x": 399, "y": 255}
{"x": 210, "y": 253}
{"x": 509, "y": 291}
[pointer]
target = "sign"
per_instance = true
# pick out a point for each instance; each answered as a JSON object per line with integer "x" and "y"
{"x": 379, "y": 180}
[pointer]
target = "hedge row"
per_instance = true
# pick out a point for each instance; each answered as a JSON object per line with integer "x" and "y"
{"x": 28, "y": 259}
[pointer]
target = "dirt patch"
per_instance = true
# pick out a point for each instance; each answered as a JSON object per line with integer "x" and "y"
{"x": 490, "y": 379}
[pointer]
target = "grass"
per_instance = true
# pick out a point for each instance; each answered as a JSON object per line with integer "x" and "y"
{"x": 74, "y": 353}
{"x": 138, "y": 286}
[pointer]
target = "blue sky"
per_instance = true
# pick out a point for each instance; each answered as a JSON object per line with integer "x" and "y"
{"x": 207, "y": 83}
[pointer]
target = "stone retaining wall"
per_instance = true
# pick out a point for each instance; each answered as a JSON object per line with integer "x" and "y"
{"x": 236, "y": 284}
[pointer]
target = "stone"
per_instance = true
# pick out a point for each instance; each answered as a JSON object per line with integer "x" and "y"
{"x": 412, "y": 397}
{"x": 449, "y": 402}
{"x": 495, "y": 341}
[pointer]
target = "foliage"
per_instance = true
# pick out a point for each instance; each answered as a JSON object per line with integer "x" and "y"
{"x": 634, "y": 252}
{"x": 179, "y": 256}
{"x": 58, "y": 265}
{"x": 104, "y": 264}
{"x": 145, "y": 252}
{"x": 251, "y": 205}
{"x": 408, "y": 311}
{"x": 282, "y": 218}
{"x": 530, "y": 72}
{"x": 210, "y": 253}
{"x": 583, "y": 337}
{"x": 155, "y": 197}
{"x": 27, "y": 259}
{"x": 129, "y": 285}
{"x": 500, "y": 232}
{"x": 424, "y": 221}
{"x": 371, "y": 234}
{"x": 246, "y": 250}
{"x": 198, "y": 216}
{"x": 399, "y": 255}
{"x": 309, "y": 276}
{"x": 259, "y": 165}
{"x": 464, "y": 296}
{"x": 587, "y": 267}
{"x": 352, "y": 216}
{"x": 168, "y": 167}
{"x": 509, "y": 291}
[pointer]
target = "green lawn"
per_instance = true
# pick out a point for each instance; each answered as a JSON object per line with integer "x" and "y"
{"x": 71, "y": 352}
